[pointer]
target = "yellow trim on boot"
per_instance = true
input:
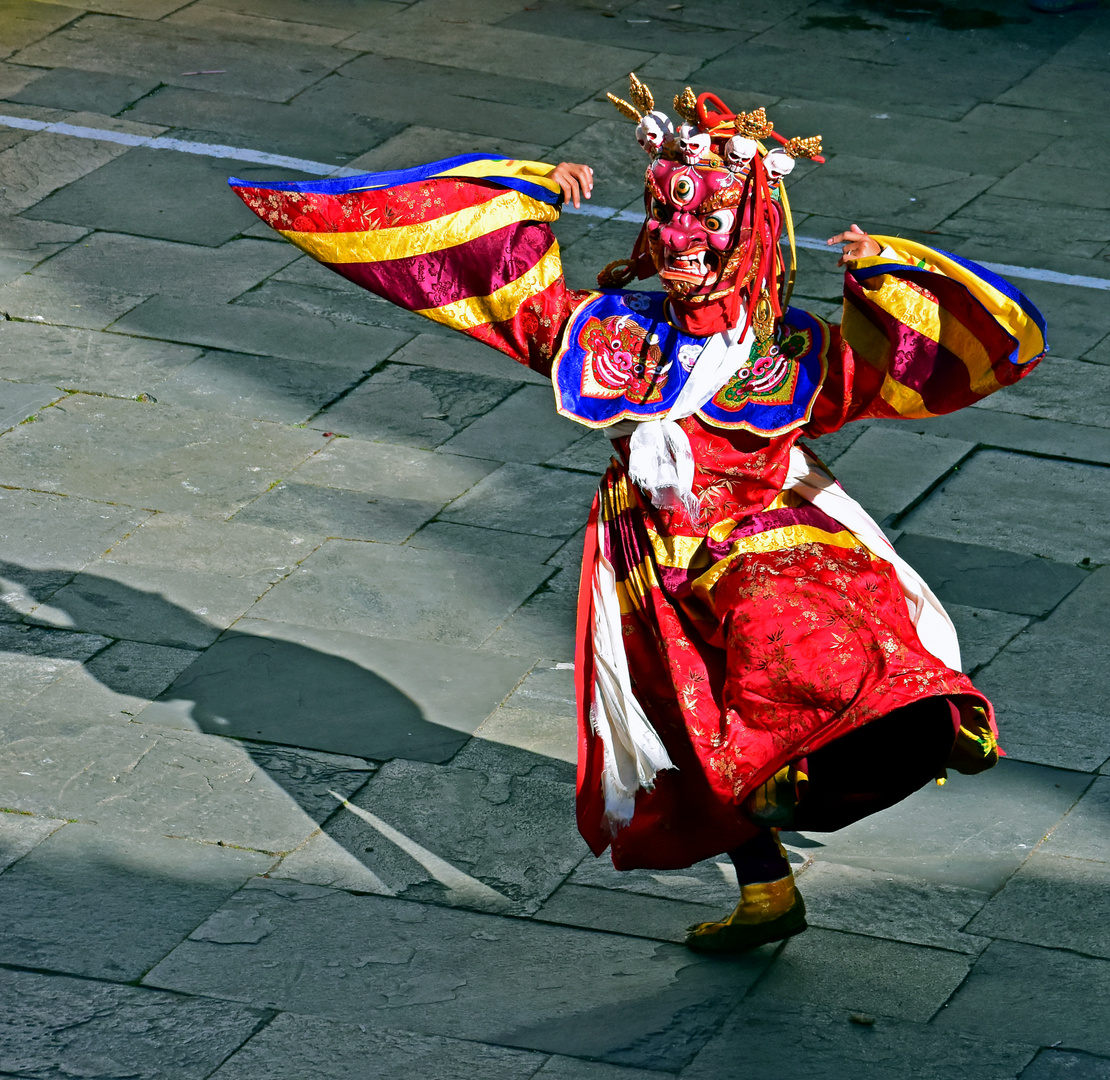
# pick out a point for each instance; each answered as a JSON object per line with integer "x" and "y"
{"x": 768, "y": 911}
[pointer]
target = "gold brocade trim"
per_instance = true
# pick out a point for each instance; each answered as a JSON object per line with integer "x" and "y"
{"x": 502, "y": 304}
{"x": 789, "y": 536}
{"x": 904, "y": 401}
{"x": 634, "y": 590}
{"x": 676, "y": 552}
{"x": 437, "y": 234}
{"x": 616, "y": 498}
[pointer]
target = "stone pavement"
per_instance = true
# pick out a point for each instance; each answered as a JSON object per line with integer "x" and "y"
{"x": 289, "y": 575}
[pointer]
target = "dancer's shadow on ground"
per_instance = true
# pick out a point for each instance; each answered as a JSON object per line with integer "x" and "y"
{"x": 260, "y": 687}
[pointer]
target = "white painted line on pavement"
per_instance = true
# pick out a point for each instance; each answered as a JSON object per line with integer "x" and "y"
{"x": 320, "y": 168}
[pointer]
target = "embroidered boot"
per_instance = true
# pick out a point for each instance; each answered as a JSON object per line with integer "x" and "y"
{"x": 768, "y": 911}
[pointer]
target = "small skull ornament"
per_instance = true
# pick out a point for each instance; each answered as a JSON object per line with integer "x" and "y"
{"x": 693, "y": 144}
{"x": 654, "y": 131}
{"x": 778, "y": 164}
{"x": 739, "y": 152}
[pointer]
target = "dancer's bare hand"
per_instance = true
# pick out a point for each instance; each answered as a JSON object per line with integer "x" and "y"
{"x": 576, "y": 181}
{"x": 857, "y": 245}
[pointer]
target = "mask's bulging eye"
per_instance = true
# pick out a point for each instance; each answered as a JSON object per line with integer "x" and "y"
{"x": 719, "y": 222}
{"x": 682, "y": 189}
{"x": 660, "y": 211}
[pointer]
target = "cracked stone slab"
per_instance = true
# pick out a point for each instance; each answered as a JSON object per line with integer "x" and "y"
{"x": 869, "y": 975}
{"x": 881, "y": 905}
{"x": 414, "y": 406}
{"x": 20, "y": 402}
{"x": 20, "y": 833}
{"x": 983, "y": 632}
{"x": 526, "y": 499}
{"x": 335, "y": 513}
{"x": 824, "y": 1043}
{"x": 66, "y": 1027}
{"x": 544, "y": 625}
{"x": 320, "y": 860}
{"x": 44, "y": 162}
{"x": 1029, "y": 908}
{"x": 1082, "y": 833}
{"x": 1068, "y": 1007}
{"x": 99, "y": 91}
{"x": 980, "y": 576}
{"x": 136, "y": 778}
{"x": 466, "y": 356}
{"x": 337, "y": 692}
{"x": 475, "y": 540}
{"x": 393, "y": 592}
{"x": 972, "y": 833}
{"x": 438, "y": 971}
{"x": 566, "y": 1068}
{"x": 314, "y": 1048}
{"x": 514, "y": 834}
{"x": 75, "y": 359}
{"x": 1020, "y": 489}
{"x": 710, "y": 884}
{"x": 1049, "y": 393}
{"x": 171, "y": 459}
{"x": 31, "y": 298}
{"x": 106, "y": 905}
{"x": 1066, "y": 1065}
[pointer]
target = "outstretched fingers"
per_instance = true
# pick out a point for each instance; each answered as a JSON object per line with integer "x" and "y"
{"x": 857, "y": 245}
{"x": 575, "y": 181}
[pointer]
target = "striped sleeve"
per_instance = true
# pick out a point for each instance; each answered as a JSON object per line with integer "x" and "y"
{"x": 464, "y": 242}
{"x": 925, "y": 333}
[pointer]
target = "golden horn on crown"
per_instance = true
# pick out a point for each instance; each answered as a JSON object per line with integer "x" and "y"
{"x": 641, "y": 95}
{"x": 628, "y": 110}
{"x": 686, "y": 105}
{"x": 807, "y": 148}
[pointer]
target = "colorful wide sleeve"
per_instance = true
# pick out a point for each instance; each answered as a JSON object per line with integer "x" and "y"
{"x": 924, "y": 333}
{"x": 463, "y": 242}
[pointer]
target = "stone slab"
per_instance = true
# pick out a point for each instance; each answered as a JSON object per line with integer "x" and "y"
{"x": 172, "y": 458}
{"x": 709, "y": 884}
{"x": 138, "y": 778}
{"x": 824, "y": 1042}
{"x": 566, "y": 1068}
{"x": 83, "y": 360}
{"x": 342, "y": 693}
{"x": 313, "y": 1048}
{"x": 592, "y": 454}
{"x": 524, "y": 427}
{"x": 20, "y": 833}
{"x": 983, "y": 633}
{"x": 414, "y": 406}
{"x": 887, "y": 469}
{"x": 871, "y": 975}
{"x": 102, "y": 905}
{"x": 100, "y": 91}
{"x": 1004, "y": 226}
{"x": 257, "y": 387}
{"x": 1082, "y": 834}
{"x": 320, "y": 860}
{"x": 1021, "y": 488}
{"x": 526, "y": 499}
{"x": 514, "y": 834}
{"x": 211, "y": 116}
{"x": 1051, "y": 392}
{"x": 543, "y": 626}
{"x": 110, "y": 687}
{"x": 211, "y": 15}
{"x": 308, "y": 288}
{"x": 439, "y": 971}
{"x": 268, "y": 69}
{"x": 83, "y": 1027}
{"x": 170, "y": 196}
{"x": 392, "y": 472}
{"x": 627, "y": 913}
{"x": 418, "y": 144}
{"x": 19, "y": 402}
{"x": 972, "y": 833}
{"x": 332, "y": 512}
{"x": 182, "y": 609}
{"x": 30, "y": 298}
{"x": 335, "y": 13}
{"x": 24, "y": 23}
{"x": 270, "y": 333}
{"x": 389, "y": 592}
{"x": 1030, "y": 683}
{"x": 139, "y": 265}
{"x": 978, "y": 575}
{"x": 474, "y": 540}
{"x": 881, "y": 905}
{"x": 44, "y": 162}
{"x": 34, "y": 658}
{"x": 1029, "y": 908}
{"x": 464, "y": 355}
{"x": 996, "y": 998}
{"x": 1058, "y": 1064}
